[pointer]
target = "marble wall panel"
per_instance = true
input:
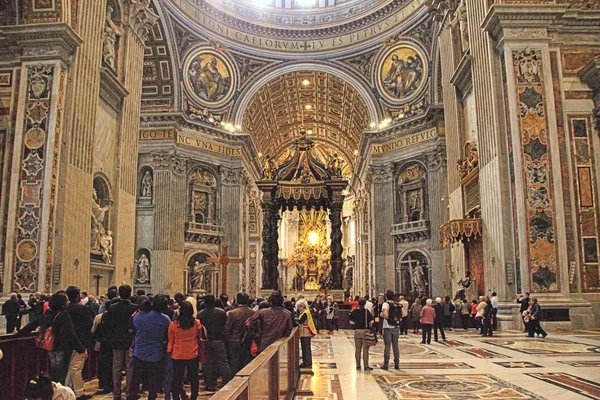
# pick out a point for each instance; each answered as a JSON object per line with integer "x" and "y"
{"x": 106, "y": 141}
{"x": 535, "y": 151}
{"x": 586, "y": 203}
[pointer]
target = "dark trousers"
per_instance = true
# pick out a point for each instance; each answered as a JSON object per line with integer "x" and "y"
{"x": 465, "y": 321}
{"x": 426, "y": 332}
{"x": 535, "y": 328}
{"x": 438, "y": 325}
{"x": 105, "y": 363}
{"x": 306, "y": 350}
{"x": 59, "y": 365}
{"x": 179, "y": 367}
{"x": 415, "y": 326}
{"x": 217, "y": 363}
{"x": 239, "y": 357}
{"x": 329, "y": 325}
{"x": 152, "y": 371}
{"x": 336, "y": 324}
{"x": 495, "y": 319}
{"x": 404, "y": 326}
{"x": 487, "y": 327}
{"x": 447, "y": 321}
{"x": 13, "y": 322}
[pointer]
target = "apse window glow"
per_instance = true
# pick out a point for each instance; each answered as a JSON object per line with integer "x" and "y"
{"x": 306, "y": 82}
{"x": 313, "y": 238}
{"x": 308, "y": 107}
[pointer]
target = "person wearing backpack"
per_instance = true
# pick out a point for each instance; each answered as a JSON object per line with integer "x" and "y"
{"x": 57, "y": 336}
{"x": 392, "y": 319}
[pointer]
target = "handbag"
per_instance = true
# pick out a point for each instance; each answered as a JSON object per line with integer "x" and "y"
{"x": 203, "y": 353}
{"x": 370, "y": 337}
{"x": 46, "y": 339}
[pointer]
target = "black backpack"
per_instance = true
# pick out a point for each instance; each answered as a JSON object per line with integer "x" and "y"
{"x": 394, "y": 314}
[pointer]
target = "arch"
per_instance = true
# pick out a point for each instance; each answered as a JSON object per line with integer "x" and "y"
{"x": 405, "y": 271}
{"x": 194, "y": 252}
{"x": 243, "y": 101}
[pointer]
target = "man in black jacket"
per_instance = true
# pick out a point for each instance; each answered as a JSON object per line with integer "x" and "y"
{"x": 213, "y": 319}
{"x": 523, "y": 300}
{"x": 11, "y": 311}
{"x": 438, "y": 322}
{"x": 82, "y": 323}
{"x": 119, "y": 333}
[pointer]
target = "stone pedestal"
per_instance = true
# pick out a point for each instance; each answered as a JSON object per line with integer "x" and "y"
{"x": 337, "y": 295}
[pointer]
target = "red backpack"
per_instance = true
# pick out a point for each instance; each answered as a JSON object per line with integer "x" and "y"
{"x": 46, "y": 340}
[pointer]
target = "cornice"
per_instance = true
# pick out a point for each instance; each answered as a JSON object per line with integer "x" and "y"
{"x": 463, "y": 78}
{"x": 111, "y": 89}
{"x": 40, "y": 42}
{"x": 521, "y": 22}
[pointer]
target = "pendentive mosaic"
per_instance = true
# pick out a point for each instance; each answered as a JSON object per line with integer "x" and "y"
{"x": 535, "y": 148}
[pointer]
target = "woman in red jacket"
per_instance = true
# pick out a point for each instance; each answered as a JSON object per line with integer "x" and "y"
{"x": 184, "y": 335}
{"x": 427, "y": 318}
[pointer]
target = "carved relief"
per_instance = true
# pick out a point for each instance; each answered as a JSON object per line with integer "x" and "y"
{"x": 203, "y": 196}
{"x": 471, "y": 161}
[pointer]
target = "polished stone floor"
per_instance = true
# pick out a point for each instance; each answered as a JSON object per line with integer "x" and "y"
{"x": 564, "y": 366}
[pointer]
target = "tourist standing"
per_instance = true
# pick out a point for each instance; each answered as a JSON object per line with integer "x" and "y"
{"x": 438, "y": 322}
{"x": 82, "y": 323}
{"x": 65, "y": 337}
{"x": 392, "y": 318}
{"x": 449, "y": 310}
{"x": 427, "y": 320}
{"x": 11, "y": 309}
{"x": 214, "y": 319}
{"x": 361, "y": 320}
{"x": 329, "y": 316}
{"x": 149, "y": 345}
{"x": 336, "y": 316}
{"x": 535, "y": 316}
{"x": 480, "y": 313}
{"x": 495, "y": 303}
{"x": 184, "y": 336}
{"x": 404, "y": 324}
{"x": 465, "y": 312}
{"x": 276, "y": 322}
{"x": 119, "y": 335}
{"x": 487, "y": 318}
{"x": 239, "y": 355}
{"x": 415, "y": 312}
{"x": 474, "y": 322}
{"x": 307, "y": 331}
{"x": 523, "y": 300}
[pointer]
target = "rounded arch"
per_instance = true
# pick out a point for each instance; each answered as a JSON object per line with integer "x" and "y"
{"x": 101, "y": 184}
{"x": 293, "y": 66}
{"x": 401, "y": 166}
{"x": 402, "y": 255}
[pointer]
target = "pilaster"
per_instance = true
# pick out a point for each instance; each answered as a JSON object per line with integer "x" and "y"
{"x": 231, "y": 208}
{"x": 382, "y": 206}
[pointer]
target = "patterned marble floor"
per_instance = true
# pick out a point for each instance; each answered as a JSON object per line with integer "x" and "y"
{"x": 563, "y": 366}
{"x": 508, "y": 366}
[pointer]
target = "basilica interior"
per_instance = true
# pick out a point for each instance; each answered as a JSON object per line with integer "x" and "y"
{"x": 339, "y": 147}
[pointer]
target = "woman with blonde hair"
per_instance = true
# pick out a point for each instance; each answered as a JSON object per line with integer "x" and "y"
{"x": 307, "y": 331}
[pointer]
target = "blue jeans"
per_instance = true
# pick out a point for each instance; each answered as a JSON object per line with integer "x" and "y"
{"x": 168, "y": 380}
{"x": 390, "y": 339}
{"x": 59, "y": 365}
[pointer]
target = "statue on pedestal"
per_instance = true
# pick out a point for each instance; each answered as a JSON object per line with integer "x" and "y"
{"x": 101, "y": 239}
{"x": 198, "y": 281}
{"x": 111, "y": 33}
{"x": 419, "y": 280}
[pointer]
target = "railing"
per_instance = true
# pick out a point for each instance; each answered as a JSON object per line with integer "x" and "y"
{"x": 22, "y": 360}
{"x": 272, "y": 375}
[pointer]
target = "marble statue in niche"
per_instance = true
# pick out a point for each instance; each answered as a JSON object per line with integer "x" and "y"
{"x": 198, "y": 281}
{"x": 143, "y": 265}
{"x": 101, "y": 239}
{"x": 109, "y": 41}
{"x": 419, "y": 280}
{"x": 461, "y": 14}
{"x": 411, "y": 194}
{"x": 146, "y": 185}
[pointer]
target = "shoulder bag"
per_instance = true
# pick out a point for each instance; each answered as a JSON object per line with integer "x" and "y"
{"x": 370, "y": 336}
{"x": 203, "y": 354}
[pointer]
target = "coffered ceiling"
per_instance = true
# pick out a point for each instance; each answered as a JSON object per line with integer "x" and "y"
{"x": 337, "y": 117}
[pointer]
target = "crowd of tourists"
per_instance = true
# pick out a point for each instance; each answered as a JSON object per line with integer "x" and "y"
{"x": 161, "y": 342}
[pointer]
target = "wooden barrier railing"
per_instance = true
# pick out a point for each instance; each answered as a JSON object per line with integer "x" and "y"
{"x": 22, "y": 360}
{"x": 273, "y": 375}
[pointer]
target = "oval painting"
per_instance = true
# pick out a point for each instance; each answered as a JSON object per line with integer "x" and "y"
{"x": 209, "y": 77}
{"x": 401, "y": 73}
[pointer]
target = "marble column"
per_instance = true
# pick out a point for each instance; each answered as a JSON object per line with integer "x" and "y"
{"x": 438, "y": 213}
{"x": 382, "y": 192}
